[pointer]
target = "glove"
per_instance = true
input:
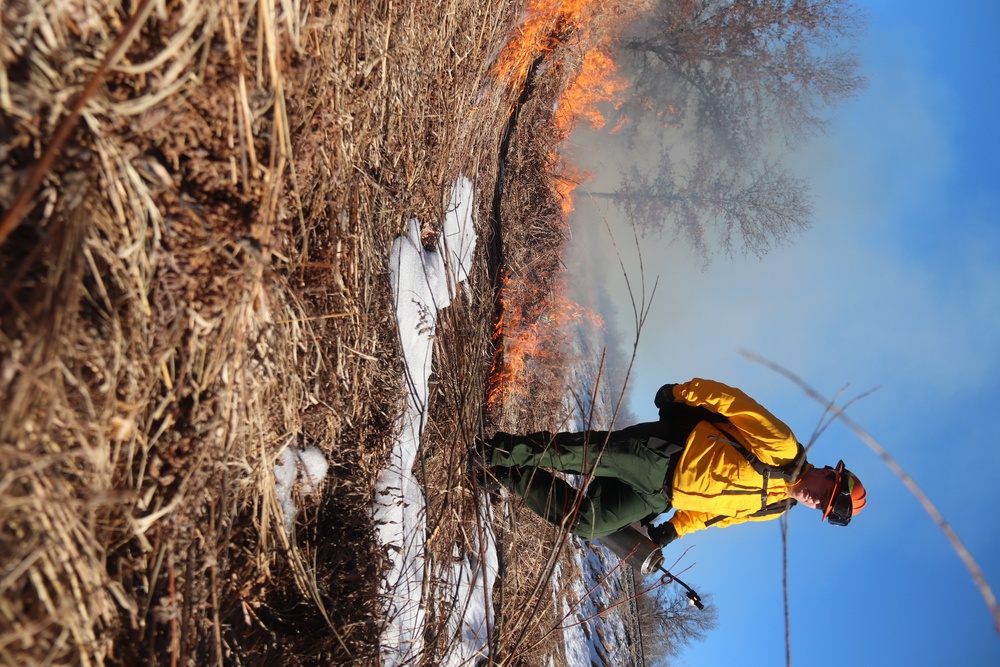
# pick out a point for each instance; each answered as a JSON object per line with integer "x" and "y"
{"x": 663, "y": 534}
{"x": 665, "y": 395}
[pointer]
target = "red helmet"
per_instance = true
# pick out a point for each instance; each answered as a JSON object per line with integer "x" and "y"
{"x": 847, "y": 499}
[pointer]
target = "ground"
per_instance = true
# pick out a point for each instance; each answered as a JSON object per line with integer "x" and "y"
{"x": 195, "y": 278}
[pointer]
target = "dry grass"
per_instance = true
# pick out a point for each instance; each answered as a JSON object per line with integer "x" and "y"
{"x": 200, "y": 280}
{"x": 534, "y": 235}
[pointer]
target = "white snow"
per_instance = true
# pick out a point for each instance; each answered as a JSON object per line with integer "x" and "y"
{"x": 423, "y": 282}
{"x": 306, "y": 466}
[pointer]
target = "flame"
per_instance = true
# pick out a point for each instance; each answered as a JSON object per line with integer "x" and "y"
{"x": 537, "y": 320}
{"x": 597, "y": 82}
{"x": 535, "y": 329}
{"x": 545, "y": 21}
{"x": 566, "y": 179}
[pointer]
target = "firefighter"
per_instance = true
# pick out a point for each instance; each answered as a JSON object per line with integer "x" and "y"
{"x": 716, "y": 457}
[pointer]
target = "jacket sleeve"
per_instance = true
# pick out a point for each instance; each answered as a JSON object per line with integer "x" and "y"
{"x": 765, "y": 435}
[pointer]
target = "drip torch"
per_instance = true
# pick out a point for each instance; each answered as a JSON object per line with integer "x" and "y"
{"x": 645, "y": 557}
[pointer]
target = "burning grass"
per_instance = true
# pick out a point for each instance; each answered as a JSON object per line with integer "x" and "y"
{"x": 200, "y": 281}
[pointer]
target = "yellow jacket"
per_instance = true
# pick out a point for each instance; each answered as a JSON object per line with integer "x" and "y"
{"x": 713, "y": 479}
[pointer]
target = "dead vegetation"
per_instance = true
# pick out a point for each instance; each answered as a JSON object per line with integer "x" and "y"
{"x": 200, "y": 281}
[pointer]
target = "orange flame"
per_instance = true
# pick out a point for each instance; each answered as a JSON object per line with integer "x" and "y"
{"x": 566, "y": 179}
{"x": 546, "y": 19}
{"x": 532, "y": 333}
{"x": 597, "y": 82}
{"x": 532, "y": 329}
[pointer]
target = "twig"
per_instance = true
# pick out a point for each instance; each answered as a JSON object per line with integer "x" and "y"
{"x": 640, "y": 312}
{"x": 314, "y": 318}
{"x": 784, "y": 587}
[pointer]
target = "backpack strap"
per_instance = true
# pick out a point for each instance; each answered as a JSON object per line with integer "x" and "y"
{"x": 683, "y": 418}
{"x": 680, "y": 419}
{"x": 788, "y": 472}
{"x": 778, "y": 507}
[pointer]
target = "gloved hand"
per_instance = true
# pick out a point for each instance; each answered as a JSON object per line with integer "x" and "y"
{"x": 663, "y": 534}
{"x": 665, "y": 395}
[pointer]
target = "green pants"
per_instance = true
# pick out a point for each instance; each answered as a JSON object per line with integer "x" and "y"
{"x": 628, "y": 475}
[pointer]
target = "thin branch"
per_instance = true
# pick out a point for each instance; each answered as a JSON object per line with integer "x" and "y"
{"x": 784, "y": 586}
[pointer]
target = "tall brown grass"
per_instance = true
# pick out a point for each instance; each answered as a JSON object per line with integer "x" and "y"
{"x": 199, "y": 280}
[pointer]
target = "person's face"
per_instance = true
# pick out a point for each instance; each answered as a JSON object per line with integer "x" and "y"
{"x": 815, "y": 488}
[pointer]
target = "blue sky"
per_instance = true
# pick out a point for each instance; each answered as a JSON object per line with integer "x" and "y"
{"x": 897, "y": 286}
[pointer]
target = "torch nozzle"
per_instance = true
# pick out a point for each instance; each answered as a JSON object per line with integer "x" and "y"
{"x": 695, "y": 600}
{"x": 692, "y": 595}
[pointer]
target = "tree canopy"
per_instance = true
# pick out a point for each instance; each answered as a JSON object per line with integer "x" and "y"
{"x": 718, "y": 84}
{"x": 669, "y": 622}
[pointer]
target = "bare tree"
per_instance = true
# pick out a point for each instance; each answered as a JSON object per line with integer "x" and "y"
{"x": 669, "y": 623}
{"x": 721, "y": 82}
{"x": 743, "y": 70}
{"x": 761, "y": 206}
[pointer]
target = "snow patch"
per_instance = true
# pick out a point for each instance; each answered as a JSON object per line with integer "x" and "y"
{"x": 424, "y": 281}
{"x": 306, "y": 467}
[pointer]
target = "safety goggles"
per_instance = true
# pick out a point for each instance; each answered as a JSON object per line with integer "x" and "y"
{"x": 842, "y": 503}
